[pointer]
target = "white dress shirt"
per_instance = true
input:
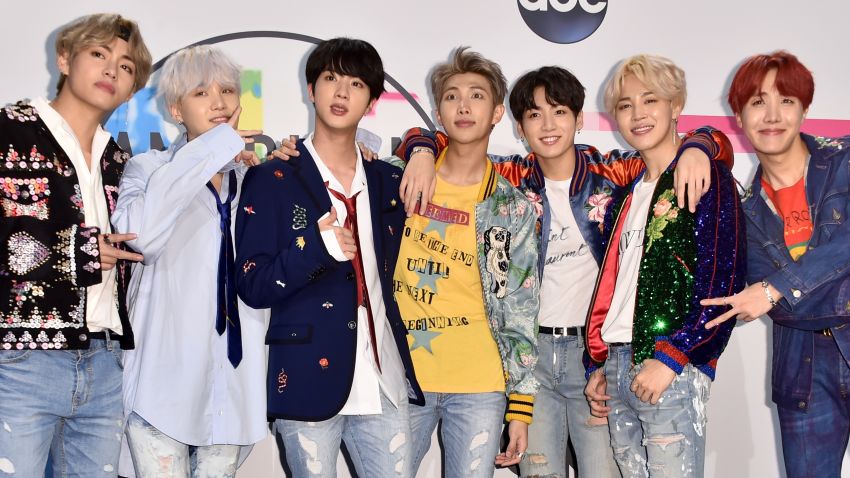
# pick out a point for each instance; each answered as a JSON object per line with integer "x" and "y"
{"x": 178, "y": 377}
{"x": 101, "y": 299}
{"x": 365, "y": 398}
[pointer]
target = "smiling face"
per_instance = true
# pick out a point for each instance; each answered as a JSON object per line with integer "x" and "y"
{"x": 205, "y": 107}
{"x": 645, "y": 120}
{"x": 467, "y": 110}
{"x": 100, "y": 77}
{"x": 771, "y": 120}
{"x": 340, "y": 101}
{"x": 549, "y": 129}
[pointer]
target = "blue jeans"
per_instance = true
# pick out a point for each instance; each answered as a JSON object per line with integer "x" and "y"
{"x": 662, "y": 440}
{"x": 379, "y": 445}
{"x": 66, "y": 403}
{"x": 561, "y": 413}
{"x": 814, "y": 440}
{"x": 471, "y": 431}
{"x": 156, "y": 454}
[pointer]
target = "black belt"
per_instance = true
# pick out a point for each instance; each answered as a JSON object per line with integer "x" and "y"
{"x": 103, "y": 336}
{"x": 561, "y": 331}
{"x": 618, "y": 344}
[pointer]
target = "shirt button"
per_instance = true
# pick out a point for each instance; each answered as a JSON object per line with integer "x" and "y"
{"x": 802, "y": 404}
{"x": 352, "y": 325}
{"x": 83, "y": 337}
{"x": 807, "y": 360}
{"x": 796, "y": 293}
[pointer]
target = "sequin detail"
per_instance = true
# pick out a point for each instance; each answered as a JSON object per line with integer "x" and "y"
{"x": 26, "y": 253}
{"x": 37, "y": 210}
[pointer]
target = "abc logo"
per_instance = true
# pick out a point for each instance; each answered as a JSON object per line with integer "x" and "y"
{"x": 563, "y": 21}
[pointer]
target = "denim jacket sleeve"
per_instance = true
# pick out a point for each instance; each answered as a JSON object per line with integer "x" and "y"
{"x": 720, "y": 271}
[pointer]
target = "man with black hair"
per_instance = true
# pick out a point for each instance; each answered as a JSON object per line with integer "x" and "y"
{"x": 317, "y": 241}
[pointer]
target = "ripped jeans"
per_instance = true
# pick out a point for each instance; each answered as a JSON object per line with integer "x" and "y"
{"x": 471, "y": 430}
{"x": 378, "y": 444}
{"x": 156, "y": 454}
{"x": 666, "y": 440}
{"x": 561, "y": 412}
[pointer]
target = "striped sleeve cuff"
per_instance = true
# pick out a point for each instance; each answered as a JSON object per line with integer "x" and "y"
{"x": 670, "y": 356}
{"x": 520, "y": 407}
{"x": 416, "y": 137}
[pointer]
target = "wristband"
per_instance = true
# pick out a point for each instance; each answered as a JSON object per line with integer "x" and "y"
{"x": 421, "y": 149}
{"x": 764, "y": 286}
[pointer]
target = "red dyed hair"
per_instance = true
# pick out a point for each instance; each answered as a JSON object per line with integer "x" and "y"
{"x": 792, "y": 79}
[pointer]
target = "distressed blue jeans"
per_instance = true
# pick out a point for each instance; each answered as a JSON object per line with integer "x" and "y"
{"x": 65, "y": 403}
{"x": 471, "y": 430}
{"x": 156, "y": 454}
{"x": 665, "y": 440}
{"x": 814, "y": 439}
{"x": 379, "y": 445}
{"x": 561, "y": 413}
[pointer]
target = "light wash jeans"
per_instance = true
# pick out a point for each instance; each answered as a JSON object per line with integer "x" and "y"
{"x": 665, "y": 440}
{"x": 561, "y": 412}
{"x": 156, "y": 454}
{"x": 471, "y": 430}
{"x": 379, "y": 445}
{"x": 65, "y": 403}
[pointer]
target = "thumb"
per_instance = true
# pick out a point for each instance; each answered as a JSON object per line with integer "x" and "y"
{"x": 332, "y": 217}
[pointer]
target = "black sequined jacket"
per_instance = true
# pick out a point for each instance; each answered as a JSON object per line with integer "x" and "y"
{"x": 48, "y": 255}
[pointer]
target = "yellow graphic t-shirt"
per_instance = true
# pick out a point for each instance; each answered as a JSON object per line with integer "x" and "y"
{"x": 438, "y": 290}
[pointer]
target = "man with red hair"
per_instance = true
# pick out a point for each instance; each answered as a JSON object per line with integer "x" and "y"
{"x": 798, "y": 259}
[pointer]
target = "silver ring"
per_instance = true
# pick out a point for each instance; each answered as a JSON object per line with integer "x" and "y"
{"x": 419, "y": 196}
{"x": 106, "y": 239}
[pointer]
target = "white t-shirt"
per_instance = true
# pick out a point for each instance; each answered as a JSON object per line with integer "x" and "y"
{"x": 618, "y": 323}
{"x": 570, "y": 268}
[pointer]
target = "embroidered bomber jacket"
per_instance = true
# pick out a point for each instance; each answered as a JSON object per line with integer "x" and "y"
{"x": 596, "y": 179}
{"x": 49, "y": 256}
{"x": 686, "y": 257}
{"x": 511, "y": 314}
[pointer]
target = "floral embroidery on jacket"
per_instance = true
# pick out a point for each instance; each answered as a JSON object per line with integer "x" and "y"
{"x": 597, "y": 205}
{"x": 663, "y": 213}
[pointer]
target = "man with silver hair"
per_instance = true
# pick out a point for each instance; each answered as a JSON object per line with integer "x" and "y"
{"x": 193, "y": 387}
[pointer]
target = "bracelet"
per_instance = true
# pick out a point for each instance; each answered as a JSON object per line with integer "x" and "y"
{"x": 421, "y": 149}
{"x": 764, "y": 286}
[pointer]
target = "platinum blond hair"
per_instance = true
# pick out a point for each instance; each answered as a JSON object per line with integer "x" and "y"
{"x": 196, "y": 67}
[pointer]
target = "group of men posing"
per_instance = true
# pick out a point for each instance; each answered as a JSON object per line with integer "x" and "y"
{"x": 566, "y": 293}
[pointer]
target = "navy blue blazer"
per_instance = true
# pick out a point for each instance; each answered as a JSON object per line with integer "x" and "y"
{"x": 284, "y": 265}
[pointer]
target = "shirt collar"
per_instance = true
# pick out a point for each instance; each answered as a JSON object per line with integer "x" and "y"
{"x": 357, "y": 184}
{"x": 57, "y": 126}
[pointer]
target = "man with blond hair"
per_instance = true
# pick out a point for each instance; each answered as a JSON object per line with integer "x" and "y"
{"x": 64, "y": 275}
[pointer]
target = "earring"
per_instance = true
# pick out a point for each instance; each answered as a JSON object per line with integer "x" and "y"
{"x": 579, "y": 131}
{"x": 675, "y": 129}
{"x": 523, "y": 140}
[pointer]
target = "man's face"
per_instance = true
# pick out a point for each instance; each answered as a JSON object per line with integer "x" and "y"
{"x": 100, "y": 76}
{"x": 643, "y": 118}
{"x": 205, "y": 107}
{"x": 771, "y": 120}
{"x": 466, "y": 110}
{"x": 340, "y": 100}
{"x": 549, "y": 129}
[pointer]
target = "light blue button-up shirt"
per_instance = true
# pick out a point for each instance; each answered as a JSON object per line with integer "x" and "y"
{"x": 178, "y": 377}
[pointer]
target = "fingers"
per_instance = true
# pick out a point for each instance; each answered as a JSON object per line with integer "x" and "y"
{"x": 248, "y": 157}
{"x": 715, "y": 301}
{"x": 288, "y": 149}
{"x": 429, "y": 194}
{"x": 679, "y": 181}
{"x": 346, "y": 242}
{"x": 247, "y": 134}
{"x": 116, "y": 238}
{"x": 693, "y": 198}
{"x": 367, "y": 153}
{"x": 722, "y": 318}
{"x": 233, "y": 121}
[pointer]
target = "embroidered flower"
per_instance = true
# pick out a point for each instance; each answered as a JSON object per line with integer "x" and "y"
{"x": 663, "y": 213}
{"x": 528, "y": 282}
{"x": 597, "y": 204}
{"x": 828, "y": 143}
{"x": 527, "y": 359}
{"x": 520, "y": 208}
{"x": 537, "y": 201}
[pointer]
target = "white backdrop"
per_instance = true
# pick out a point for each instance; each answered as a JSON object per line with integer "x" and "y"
{"x": 708, "y": 39}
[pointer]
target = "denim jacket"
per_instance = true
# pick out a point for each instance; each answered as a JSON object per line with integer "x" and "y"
{"x": 815, "y": 288}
